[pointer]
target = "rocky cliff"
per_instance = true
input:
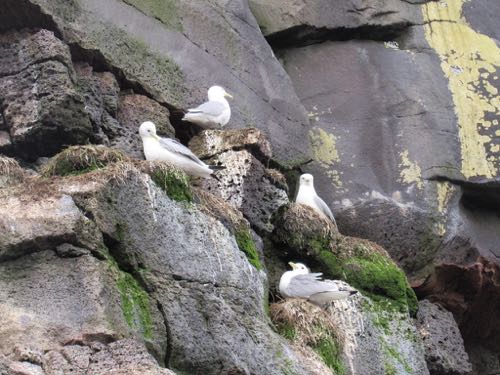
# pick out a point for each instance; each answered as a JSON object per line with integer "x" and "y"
{"x": 113, "y": 265}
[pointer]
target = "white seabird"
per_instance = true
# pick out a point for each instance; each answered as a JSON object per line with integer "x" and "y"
{"x": 307, "y": 195}
{"x": 213, "y": 114}
{"x": 171, "y": 151}
{"x": 300, "y": 283}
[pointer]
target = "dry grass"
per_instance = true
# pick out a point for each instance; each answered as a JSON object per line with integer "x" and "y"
{"x": 81, "y": 159}
{"x": 311, "y": 328}
{"x": 311, "y": 323}
{"x": 221, "y": 210}
{"x": 10, "y": 171}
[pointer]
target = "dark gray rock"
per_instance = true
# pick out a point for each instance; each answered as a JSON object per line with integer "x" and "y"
{"x": 212, "y": 298}
{"x": 444, "y": 347}
{"x": 41, "y": 106}
{"x": 133, "y": 110}
{"x": 307, "y": 19}
{"x": 122, "y": 357}
{"x": 484, "y": 360}
{"x": 48, "y": 302}
{"x": 175, "y": 58}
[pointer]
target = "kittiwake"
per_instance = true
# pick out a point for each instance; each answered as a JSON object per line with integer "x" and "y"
{"x": 307, "y": 196}
{"x": 171, "y": 151}
{"x": 213, "y": 114}
{"x": 300, "y": 283}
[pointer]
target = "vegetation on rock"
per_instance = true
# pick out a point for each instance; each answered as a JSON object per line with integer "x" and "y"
{"x": 307, "y": 325}
{"x": 77, "y": 160}
{"x": 246, "y": 244}
{"x": 361, "y": 263}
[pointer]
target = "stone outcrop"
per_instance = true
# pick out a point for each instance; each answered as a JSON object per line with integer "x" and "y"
{"x": 115, "y": 242}
{"x": 41, "y": 106}
{"x": 245, "y": 182}
{"x": 391, "y": 104}
{"x": 444, "y": 346}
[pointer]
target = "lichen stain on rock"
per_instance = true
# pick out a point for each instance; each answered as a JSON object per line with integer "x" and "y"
{"x": 325, "y": 152}
{"x": 410, "y": 171}
{"x": 470, "y": 61}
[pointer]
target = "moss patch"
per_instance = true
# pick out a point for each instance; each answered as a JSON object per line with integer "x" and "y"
{"x": 76, "y": 160}
{"x": 361, "y": 263}
{"x": 246, "y": 244}
{"x": 134, "y": 301}
{"x": 174, "y": 182}
{"x": 330, "y": 353}
{"x": 308, "y": 325}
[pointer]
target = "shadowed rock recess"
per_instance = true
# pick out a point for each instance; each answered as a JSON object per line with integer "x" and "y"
{"x": 110, "y": 264}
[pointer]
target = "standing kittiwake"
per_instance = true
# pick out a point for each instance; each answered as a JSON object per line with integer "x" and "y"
{"x": 169, "y": 150}
{"x": 300, "y": 283}
{"x": 307, "y": 195}
{"x": 213, "y": 114}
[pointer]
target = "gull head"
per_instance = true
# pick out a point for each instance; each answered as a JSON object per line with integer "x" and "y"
{"x": 299, "y": 268}
{"x": 306, "y": 180}
{"x": 148, "y": 130}
{"x": 216, "y": 93}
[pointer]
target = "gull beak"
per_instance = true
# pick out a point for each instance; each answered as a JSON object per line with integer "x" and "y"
{"x": 291, "y": 264}
{"x": 156, "y": 137}
{"x": 228, "y": 95}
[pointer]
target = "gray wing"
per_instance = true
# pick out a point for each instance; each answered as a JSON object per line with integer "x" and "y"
{"x": 178, "y": 148}
{"x": 307, "y": 285}
{"x": 324, "y": 208}
{"x": 209, "y": 108}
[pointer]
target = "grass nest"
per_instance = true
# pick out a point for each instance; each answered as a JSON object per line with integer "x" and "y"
{"x": 77, "y": 160}
{"x": 307, "y": 325}
{"x": 10, "y": 171}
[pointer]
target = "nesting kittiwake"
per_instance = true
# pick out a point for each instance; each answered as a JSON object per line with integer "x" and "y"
{"x": 300, "y": 283}
{"x": 213, "y": 114}
{"x": 307, "y": 195}
{"x": 169, "y": 150}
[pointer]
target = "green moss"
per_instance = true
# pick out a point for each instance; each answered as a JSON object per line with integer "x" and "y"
{"x": 246, "y": 244}
{"x": 163, "y": 10}
{"x": 287, "y": 330}
{"x": 174, "y": 183}
{"x": 369, "y": 271}
{"x": 392, "y": 352}
{"x": 390, "y": 369}
{"x": 134, "y": 301}
{"x": 330, "y": 352}
{"x": 135, "y": 304}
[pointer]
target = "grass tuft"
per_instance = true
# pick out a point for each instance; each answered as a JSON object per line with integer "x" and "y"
{"x": 76, "y": 160}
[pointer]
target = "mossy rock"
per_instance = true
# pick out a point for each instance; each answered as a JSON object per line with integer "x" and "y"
{"x": 361, "y": 263}
{"x": 305, "y": 324}
{"x": 77, "y": 160}
{"x": 173, "y": 181}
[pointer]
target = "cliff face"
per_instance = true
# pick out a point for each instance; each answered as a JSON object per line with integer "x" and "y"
{"x": 109, "y": 265}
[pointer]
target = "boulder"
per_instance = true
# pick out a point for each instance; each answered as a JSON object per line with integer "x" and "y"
{"x": 444, "y": 346}
{"x": 167, "y": 52}
{"x": 290, "y": 22}
{"x": 41, "y": 106}
{"x": 245, "y": 182}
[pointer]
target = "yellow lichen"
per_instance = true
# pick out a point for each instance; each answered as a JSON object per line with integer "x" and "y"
{"x": 325, "y": 152}
{"x": 468, "y": 58}
{"x": 410, "y": 171}
{"x": 444, "y": 192}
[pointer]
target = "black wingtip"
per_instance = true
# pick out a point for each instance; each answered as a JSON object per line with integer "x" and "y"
{"x": 352, "y": 292}
{"x": 217, "y": 167}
